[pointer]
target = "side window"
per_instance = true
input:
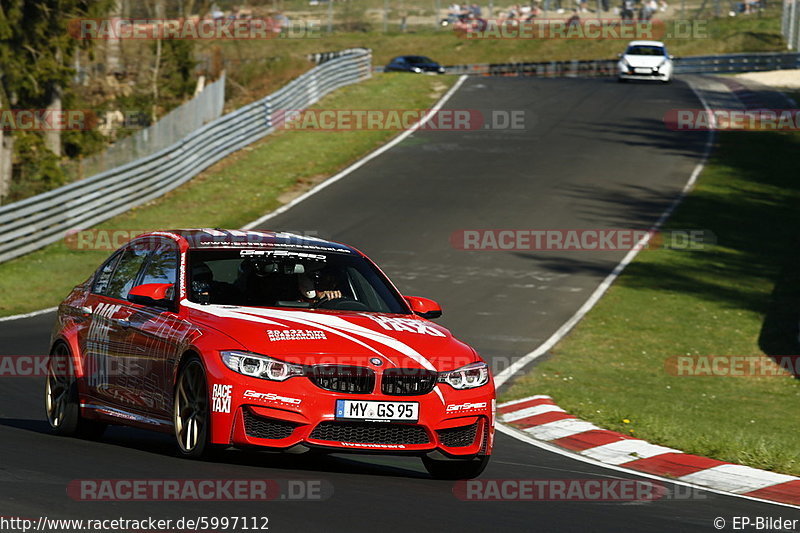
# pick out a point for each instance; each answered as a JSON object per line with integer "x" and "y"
{"x": 125, "y": 274}
{"x": 162, "y": 266}
{"x": 104, "y": 275}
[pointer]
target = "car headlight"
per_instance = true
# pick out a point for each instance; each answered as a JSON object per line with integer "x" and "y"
{"x": 467, "y": 377}
{"x": 416, "y": 69}
{"x": 260, "y": 366}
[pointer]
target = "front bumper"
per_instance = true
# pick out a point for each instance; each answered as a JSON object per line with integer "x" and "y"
{"x": 282, "y": 415}
{"x": 652, "y": 75}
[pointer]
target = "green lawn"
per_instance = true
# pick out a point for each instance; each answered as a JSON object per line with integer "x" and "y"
{"x": 739, "y": 297}
{"x": 232, "y": 193}
{"x": 725, "y": 35}
{"x": 260, "y": 67}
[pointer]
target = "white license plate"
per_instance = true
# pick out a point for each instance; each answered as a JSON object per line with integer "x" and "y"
{"x": 643, "y": 70}
{"x": 372, "y": 410}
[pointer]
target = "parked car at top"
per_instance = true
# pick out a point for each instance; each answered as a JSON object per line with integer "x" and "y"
{"x": 234, "y": 338}
{"x": 418, "y": 64}
{"x": 645, "y": 60}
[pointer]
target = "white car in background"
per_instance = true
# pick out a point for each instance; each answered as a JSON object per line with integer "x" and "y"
{"x": 645, "y": 60}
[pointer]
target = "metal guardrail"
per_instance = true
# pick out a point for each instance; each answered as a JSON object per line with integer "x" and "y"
{"x": 32, "y": 223}
{"x": 608, "y": 67}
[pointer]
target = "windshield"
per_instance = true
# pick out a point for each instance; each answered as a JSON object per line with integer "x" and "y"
{"x": 419, "y": 60}
{"x": 645, "y": 51}
{"x": 289, "y": 278}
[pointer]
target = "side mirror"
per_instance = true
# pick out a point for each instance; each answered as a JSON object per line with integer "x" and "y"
{"x": 153, "y": 295}
{"x": 620, "y": 55}
{"x": 671, "y": 56}
{"x": 424, "y": 307}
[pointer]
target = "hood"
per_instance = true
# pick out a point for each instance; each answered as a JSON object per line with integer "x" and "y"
{"x": 312, "y": 337}
{"x": 644, "y": 61}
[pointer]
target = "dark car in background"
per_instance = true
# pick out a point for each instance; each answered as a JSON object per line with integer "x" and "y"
{"x": 418, "y": 64}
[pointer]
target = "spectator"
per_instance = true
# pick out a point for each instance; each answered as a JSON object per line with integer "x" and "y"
{"x": 574, "y": 20}
{"x": 627, "y": 10}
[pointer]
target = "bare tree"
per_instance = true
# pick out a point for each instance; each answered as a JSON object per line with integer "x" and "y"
{"x": 113, "y": 43}
{"x": 52, "y": 137}
{"x": 6, "y": 149}
{"x": 159, "y": 10}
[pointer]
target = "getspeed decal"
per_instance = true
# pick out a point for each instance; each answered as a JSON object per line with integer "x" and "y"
{"x": 282, "y": 254}
{"x": 270, "y": 397}
{"x": 465, "y": 407}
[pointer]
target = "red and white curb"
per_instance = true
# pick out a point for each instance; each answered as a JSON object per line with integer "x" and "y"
{"x": 540, "y": 418}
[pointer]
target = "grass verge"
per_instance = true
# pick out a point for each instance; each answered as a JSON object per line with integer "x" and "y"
{"x": 738, "y": 297}
{"x": 230, "y": 194}
{"x": 719, "y": 36}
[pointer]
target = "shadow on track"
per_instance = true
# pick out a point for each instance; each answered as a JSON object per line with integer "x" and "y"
{"x": 162, "y": 445}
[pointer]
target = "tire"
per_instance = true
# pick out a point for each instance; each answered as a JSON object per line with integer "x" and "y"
{"x": 61, "y": 401}
{"x": 439, "y": 469}
{"x": 191, "y": 411}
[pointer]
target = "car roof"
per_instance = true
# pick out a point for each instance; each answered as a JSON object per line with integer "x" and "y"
{"x": 646, "y": 43}
{"x": 409, "y": 56}
{"x": 217, "y": 238}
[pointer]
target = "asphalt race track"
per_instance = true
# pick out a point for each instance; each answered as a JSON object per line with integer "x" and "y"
{"x": 594, "y": 154}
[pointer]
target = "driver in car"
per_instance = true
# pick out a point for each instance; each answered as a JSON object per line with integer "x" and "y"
{"x": 317, "y": 287}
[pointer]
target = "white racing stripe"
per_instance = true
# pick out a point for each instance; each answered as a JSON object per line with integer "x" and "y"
{"x": 625, "y": 451}
{"x": 28, "y": 315}
{"x": 247, "y": 315}
{"x": 240, "y": 315}
{"x": 341, "y": 325}
{"x": 559, "y": 429}
{"x": 529, "y": 398}
{"x": 532, "y": 411}
{"x": 554, "y": 449}
{"x": 736, "y": 478}
{"x": 224, "y": 312}
{"x": 332, "y": 324}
